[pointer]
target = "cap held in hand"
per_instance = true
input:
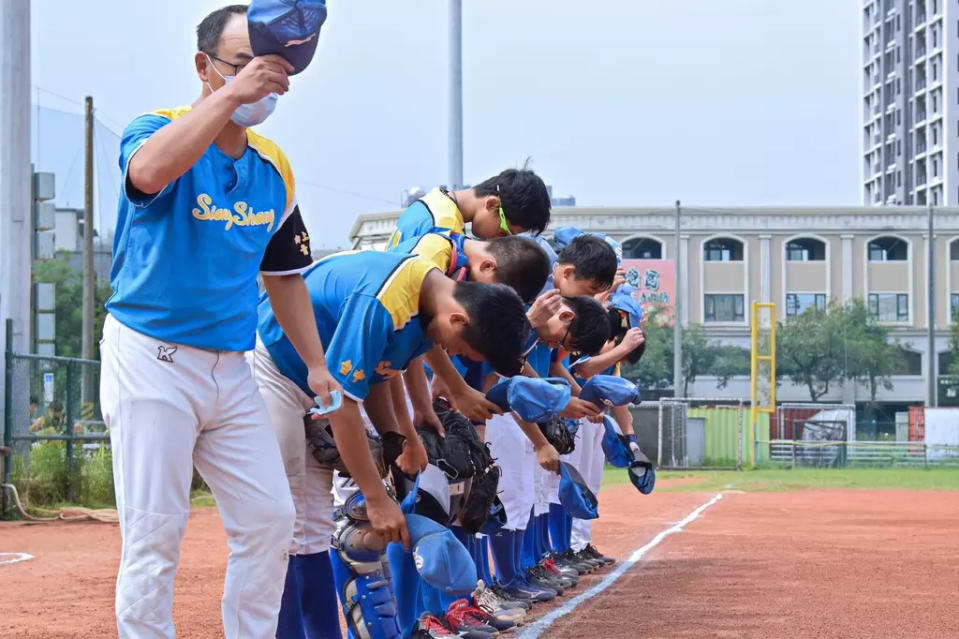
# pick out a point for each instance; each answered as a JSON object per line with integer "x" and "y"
{"x": 288, "y": 28}
{"x": 533, "y": 399}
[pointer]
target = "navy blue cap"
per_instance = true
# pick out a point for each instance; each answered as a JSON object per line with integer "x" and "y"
{"x": 534, "y": 399}
{"x": 575, "y": 496}
{"x": 609, "y": 390}
{"x": 289, "y": 28}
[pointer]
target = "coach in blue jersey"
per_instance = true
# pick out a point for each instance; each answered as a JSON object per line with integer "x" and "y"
{"x": 207, "y": 204}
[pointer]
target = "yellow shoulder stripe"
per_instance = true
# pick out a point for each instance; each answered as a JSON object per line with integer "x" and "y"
{"x": 444, "y": 211}
{"x": 400, "y": 293}
{"x": 269, "y": 151}
{"x": 436, "y": 248}
{"x": 173, "y": 113}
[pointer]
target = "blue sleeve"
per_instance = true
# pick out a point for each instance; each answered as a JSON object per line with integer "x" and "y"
{"x": 358, "y": 344}
{"x": 414, "y": 222}
{"x": 136, "y": 133}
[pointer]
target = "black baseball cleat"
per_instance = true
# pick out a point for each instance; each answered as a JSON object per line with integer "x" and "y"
{"x": 591, "y": 551}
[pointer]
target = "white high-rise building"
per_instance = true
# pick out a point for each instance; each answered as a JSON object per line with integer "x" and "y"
{"x": 910, "y": 127}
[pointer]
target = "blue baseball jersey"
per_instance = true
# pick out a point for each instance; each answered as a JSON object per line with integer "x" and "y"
{"x": 185, "y": 260}
{"x": 435, "y": 211}
{"x": 366, "y": 305}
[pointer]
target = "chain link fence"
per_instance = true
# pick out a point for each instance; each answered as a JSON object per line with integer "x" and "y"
{"x": 54, "y": 429}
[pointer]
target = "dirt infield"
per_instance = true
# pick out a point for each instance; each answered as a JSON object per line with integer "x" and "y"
{"x": 823, "y": 563}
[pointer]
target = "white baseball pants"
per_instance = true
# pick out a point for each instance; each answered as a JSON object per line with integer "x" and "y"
{"x": 311, "y": 484}
{"x": 170, "y": 407}
{"x": 514, "y": 454}
{"x": 588, "y": 459}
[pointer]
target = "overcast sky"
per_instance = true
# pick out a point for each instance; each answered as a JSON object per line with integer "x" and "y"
{"x": 635, "y": 102}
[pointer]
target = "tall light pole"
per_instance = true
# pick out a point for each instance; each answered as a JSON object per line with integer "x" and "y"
{"x": 677, "y": 315}
{"x": 931, "y": 399}
{"x": 16, "y": 227}
{"x": 456, "y": 95}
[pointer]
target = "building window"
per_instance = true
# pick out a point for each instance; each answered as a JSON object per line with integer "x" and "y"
{"x": 888, "y": 249}
{"x": 898, "y": 178}
{"x": 723, "y": 249}
{"x": 907, "y": 362}
{"x": 643, "y": 248}
{"x": 723, "y": 308}
{"x": 805, "y": 249}
{"x": 889, "y": 307}
{"x": 797, "y": 303}
{"x": 898, "y": 148}
{"x": 953, "y": 305}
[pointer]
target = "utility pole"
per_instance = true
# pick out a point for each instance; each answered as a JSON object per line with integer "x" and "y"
{"x": 931, "y": 399}
{"x": 88, "y": 275}
{"x": 456, "y": 95}
{"x": 677, "y": 315}
{"x": 16, "y": 229}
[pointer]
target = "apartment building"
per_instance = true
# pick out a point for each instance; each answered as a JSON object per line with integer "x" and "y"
{"x": 910, "y": 117}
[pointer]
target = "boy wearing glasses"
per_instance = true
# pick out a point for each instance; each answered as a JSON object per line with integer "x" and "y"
{"x": 513, "y": 202}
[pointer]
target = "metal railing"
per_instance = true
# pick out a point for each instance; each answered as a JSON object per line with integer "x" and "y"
{"x": 51, "y": 413}
{"x": 861, "y": 453}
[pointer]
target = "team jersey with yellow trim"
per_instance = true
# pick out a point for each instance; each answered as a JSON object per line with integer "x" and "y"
{"x": 444, "y": 249}
{"x": 366, "y": 305}
{"x": 435, "y": 211}
{"x": 185, "y": 260}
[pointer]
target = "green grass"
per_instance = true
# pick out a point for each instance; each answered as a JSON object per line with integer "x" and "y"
{"x": 201, "y": 498}
{"x": 784, "y": 480}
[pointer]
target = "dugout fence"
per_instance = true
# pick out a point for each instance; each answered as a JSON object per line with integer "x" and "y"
{"x": 700, "y": 433}
{"x": 54, "y": 430}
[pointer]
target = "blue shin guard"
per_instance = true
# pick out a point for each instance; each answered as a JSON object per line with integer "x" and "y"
{"x": 367, "y": 599}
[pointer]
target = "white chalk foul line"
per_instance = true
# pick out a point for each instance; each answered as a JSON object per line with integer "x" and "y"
{"x": 539, "y": 626}
{"x": 13, "y": 557}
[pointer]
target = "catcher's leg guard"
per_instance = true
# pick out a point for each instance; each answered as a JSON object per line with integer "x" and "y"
{"x": 362, "y": 583}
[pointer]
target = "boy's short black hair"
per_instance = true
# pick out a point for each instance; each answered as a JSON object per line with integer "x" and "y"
{"x": 589, "y": 330}
{"x": 498, "y": 327}
{"x": 520, "y": 264}
{"x": 524, "y": 197}
{"x": 592, "y": 258}
{"x": 210, "y": 29}
{"x": 34, "y": 400}
{"x": 56, "y": 406}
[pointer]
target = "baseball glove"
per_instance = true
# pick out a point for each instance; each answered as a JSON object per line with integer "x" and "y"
{"x": 464, "y": 451}
{"x": 558, "y": 434}
{"x": 319, "y": 436}
{"x": 476, "y": 509}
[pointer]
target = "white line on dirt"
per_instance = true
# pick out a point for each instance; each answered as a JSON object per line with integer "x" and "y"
{"x": 538, "y": 627}
{"x": 13, "y": 557}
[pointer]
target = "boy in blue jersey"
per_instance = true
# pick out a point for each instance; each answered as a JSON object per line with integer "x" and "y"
{"x": 206, "y": 206}
{"x": 375, "y": 312}
{"x": 513, "y": 202}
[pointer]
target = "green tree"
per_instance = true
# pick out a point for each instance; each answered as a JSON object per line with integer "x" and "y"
{"x": 953, "y": 368}
{"x": 810, "y": 350}
{"x": 869, "y": 355}
{"x": 820, "y": 348}
{"x": 69, "y": 303}
{"x": 701, "y": 356}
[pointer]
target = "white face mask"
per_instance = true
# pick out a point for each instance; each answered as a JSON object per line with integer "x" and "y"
{"x": 247, "y": 115}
